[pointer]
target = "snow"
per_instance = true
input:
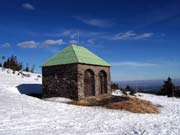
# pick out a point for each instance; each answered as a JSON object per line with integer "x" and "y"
{"x": 24, "y": 115}
{"x": 18, "y": 84}
{"x": 117, "y": 93}
{"x": 58, "y": 99}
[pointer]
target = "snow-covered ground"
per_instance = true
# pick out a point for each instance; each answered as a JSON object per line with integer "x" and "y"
{"x": 24, "y": 115}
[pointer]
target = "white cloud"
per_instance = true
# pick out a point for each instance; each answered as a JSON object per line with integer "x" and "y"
{"x": 65, "y": 33}
{"x": 96, "y": 22}
{"x": 53, "y": 42}
{"x": 46, "y": 43}
{"x": 5, "y": 45}
{"x": 74, "y": 35}
{"x": 132, "y": 64}
{"x": 73, "y": 42}
{"x": 28, "y": 6}
{"x": 28, "y": 44}
{"x": 143, "y": 36}
{"x": 131, "y": 35}
{"x": 91, "y": 41}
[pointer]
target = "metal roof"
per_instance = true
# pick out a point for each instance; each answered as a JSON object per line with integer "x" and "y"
{"x": 75, "y": 54}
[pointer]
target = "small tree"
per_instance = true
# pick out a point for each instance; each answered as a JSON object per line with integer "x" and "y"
{"x": 20, "y": 66}
{"x": 12, "y": 63}
{"x": 27, "y": 68}
{"x": 140, "y": 90}
{"x": 32, "y": 69}
{"x": 131, "y": 91}
{"x": 114, "y": 86}
{"x": 3, "y": 60}
{"x": 6, "y": 63}
{"x": 124, "y": 92}
{"x": 168, "y": 88}
{"x": 177, "y": 91}
{"x": 128, "y": 88}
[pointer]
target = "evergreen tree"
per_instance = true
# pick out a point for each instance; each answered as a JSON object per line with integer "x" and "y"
{"x": 168, "y": 88}
{"x": 114, "y": 86}
{"x": 128, "y": 88}
{"x": 19, "y": 66}
{"x": 140, "y": 90}
{"x": 124, "y": 92}
{"x": 32, "y": 69}
{"x": 131, "y": 91}
{"x": 0, "y": 65}
{"x": 27, "y": 68}
{"x": 3, "y": 57}
{"x": 6, "y": 63}
{"x": 12, "y": 63}
{"x": 3, "y": 60}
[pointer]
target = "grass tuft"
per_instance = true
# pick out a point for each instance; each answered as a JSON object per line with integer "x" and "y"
{"x": 130, "y": 104}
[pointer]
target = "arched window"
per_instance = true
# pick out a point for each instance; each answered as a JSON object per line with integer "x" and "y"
{"x": 102, "y": 82}
{"x": 89, "y": 83}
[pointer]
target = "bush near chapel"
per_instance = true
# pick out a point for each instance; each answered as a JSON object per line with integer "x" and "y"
{"x": 114, "y": 86}
{"x": 131, "y": 90}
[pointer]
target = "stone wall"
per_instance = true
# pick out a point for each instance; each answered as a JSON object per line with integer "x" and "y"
{"x": 60, "y": 81}
{"x": 68, "y": 80}
{"x": 96, "y": 69}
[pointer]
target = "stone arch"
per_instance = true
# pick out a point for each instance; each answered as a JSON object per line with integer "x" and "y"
{"x": 89, "y": 83}
{"x": 102, "y": 82}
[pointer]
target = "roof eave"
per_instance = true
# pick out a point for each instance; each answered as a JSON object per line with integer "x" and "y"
{"x": 75, "y": 63}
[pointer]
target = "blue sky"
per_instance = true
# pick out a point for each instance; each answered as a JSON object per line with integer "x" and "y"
{"x": 139, "y": 38}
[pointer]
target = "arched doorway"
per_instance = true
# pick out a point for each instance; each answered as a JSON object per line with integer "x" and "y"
{"x": 89, "y": 83}
{"x": 102, "y": 82}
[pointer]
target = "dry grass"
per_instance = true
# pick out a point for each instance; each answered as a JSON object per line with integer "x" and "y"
{"x": 130, "y": 104}
{"x": 134, "y": 105}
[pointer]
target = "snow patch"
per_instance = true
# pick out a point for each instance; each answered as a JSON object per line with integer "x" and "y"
{"x": 117, "y": 93}
{"x": 24, "y": 115}
{"x": 58, "y": 99}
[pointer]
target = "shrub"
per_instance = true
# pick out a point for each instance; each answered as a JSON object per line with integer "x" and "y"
{"x": 12, "y": 63}
{"x": 131, "y": 91}
{"x": 38, "y": 76}
{"x": 168, "y": 88}
{"x": 124, "y": 92}
{"x": 140, "y": 90}
{"x": 114, "y": 86}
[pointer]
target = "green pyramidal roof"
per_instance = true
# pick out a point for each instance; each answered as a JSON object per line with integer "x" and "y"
{"x": 75, "y": 54}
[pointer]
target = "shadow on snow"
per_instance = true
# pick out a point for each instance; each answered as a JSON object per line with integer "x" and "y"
{"x": 34, "y": 90}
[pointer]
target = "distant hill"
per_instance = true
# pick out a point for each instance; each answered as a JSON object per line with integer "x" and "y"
{"x": 150, "y": 86}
